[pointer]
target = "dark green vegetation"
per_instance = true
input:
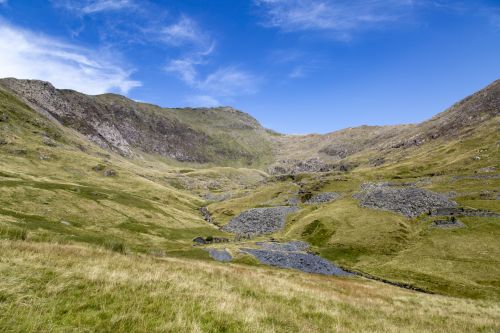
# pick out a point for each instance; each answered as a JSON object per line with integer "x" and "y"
{"x": 104, "y": 173}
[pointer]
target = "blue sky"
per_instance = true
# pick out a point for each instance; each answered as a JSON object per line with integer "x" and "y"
{"x": 298, "y": 66}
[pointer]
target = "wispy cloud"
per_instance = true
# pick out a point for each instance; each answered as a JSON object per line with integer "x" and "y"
{"x": 25, "y": 54}
{"x": 339, "y": 16}
{"x": 229, "y": 81}
{"x": 185, "y": 69}
{"x": 224, "y": 82}
{"x": 186, "y": 32}
{"x": 198, "y": 46}
{"x": 95, "y": 6}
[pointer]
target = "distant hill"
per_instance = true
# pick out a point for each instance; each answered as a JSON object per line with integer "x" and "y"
{"x": 372, "y": 146}
{"x": 221, "y": 136}
{"x": 228, "y": 137}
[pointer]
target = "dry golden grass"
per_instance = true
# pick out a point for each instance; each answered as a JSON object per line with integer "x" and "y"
{"x": 63, "y": 288}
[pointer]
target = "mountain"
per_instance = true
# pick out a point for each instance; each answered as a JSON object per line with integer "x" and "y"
{"x": 384, "y": 145}
{"x": 103, "y": 196}
{"x": 116, "y": 123}
{"x": 225, "y": 136}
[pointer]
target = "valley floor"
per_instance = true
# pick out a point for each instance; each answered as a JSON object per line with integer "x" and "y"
{"x": 64, "y": 288}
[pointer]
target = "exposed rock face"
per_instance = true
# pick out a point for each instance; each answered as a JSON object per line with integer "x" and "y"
{"x": 257, "y": 221}
{"x": 409, "y": 201}
{"x": 121, "y": 125}
{"x": 302, "y": 261}
{"x": 323, "y": 198}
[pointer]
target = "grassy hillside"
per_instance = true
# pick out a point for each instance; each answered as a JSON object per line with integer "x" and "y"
{"x": 79, "y": 218}
{"x": 56, "y": 186}
{"x": 63, "y": 288}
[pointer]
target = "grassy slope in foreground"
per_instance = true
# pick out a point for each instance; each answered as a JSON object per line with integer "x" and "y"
{"x": 64, "y": 288}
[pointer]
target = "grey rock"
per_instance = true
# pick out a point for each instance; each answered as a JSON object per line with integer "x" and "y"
{"x": 304, "y": 262}
{"x": 408, "y": 201}
{"x": 487, "y": 169}
{"x": 199, "y": 240}
{"x": 220, "y": 255}
{"x": 477, "y": 176}
{"x": 206, "y": 215}
{"x": 110, "y": 173}
{"x": 257, "y": 221}
{"x": 293, "y": 201}
{"x": 298, "y": 166}
{"x": 293, "y": 246}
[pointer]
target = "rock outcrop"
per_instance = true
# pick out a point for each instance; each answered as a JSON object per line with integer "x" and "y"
{"x": 409, "y": 201}
{"x": 257, "y": 221}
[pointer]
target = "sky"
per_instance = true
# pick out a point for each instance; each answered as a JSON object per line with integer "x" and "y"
{"x": 298, "y": 66}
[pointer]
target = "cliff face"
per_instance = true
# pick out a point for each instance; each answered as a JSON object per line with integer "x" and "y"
{"x": 129, "y": 128}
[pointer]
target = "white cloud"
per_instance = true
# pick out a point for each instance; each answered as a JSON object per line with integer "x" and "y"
{"x": 338, "y": 16}
{"x": 95, "y": 6}
{"x": 226, "y": 81}
{"x": 26, "y": 55}
{"x": 229, "y": 81}
{"x": 185, "y": 69}
{"x": 185, "y": 31}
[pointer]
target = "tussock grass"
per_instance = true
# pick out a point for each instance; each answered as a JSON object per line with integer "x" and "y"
{"x": 49, "y": 287}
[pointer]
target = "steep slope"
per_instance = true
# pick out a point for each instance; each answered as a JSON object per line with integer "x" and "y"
{"x": 131, "y": 129}
{"x": 55, "y": 185}
{"x": 378, "y": 145}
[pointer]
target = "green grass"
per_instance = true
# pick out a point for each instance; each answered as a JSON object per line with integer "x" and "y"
{"x": 67, "y": 231}
{"x": 67, "y": 288}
